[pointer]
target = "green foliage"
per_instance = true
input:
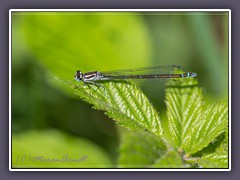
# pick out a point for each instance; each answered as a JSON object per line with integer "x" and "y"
{"x": 214, "y": 121}
{"x": 42, "y": 149}
{"x": 214, "y": 160}
{"x": 124, "y": 103}
{"x": 192, "y": 126}
{"x": 140, "y": 149}
{"x": 171, "y": 159}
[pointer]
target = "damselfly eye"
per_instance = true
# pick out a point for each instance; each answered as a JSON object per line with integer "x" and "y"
{"x": 78, "y": 75}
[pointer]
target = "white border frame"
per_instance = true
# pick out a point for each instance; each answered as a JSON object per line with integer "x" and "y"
{"x": 118, "y": 10}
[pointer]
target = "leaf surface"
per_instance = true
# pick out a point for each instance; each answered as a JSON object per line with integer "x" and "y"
{"x": 140, "y": 150}
{"x": 123, "y": 102}
{"x": 192, "y": 125}
{"x": 214, "y": 160}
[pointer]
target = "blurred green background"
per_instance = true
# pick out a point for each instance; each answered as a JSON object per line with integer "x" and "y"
{"x": 46, "y": 45}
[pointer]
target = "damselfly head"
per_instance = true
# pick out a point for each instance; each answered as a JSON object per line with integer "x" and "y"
{"x": 78, "y": 76}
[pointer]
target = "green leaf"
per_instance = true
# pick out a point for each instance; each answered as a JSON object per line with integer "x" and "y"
{"x": 213, "y": 122}
{"x": 224, "y": 145}
{"x": 219, "y": 143}
{"x": 140, "y": 150}
{"x": 191, "y": 125}
{"x": 214, "y": 160}
{"x": 171, "y": 159}
{"x": 42, "y": 149}
{"x": 183, "y": 108}
{"x": 123, "y": 102}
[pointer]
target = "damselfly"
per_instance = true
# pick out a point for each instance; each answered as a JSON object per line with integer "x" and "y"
{"x": 158, "y": 72}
